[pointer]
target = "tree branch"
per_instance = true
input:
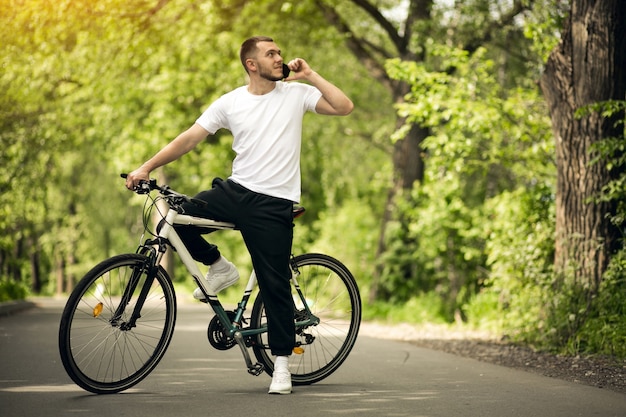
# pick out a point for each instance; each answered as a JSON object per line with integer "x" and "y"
{"x": 399, "y": 42}
{"x": 357, "y": 45}
{"x": 418, "y": 10}
{"x": 519, "y": 6}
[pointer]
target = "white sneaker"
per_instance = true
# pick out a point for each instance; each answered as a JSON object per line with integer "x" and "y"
{"x": 217, "y": 281}
{"x": 281, "y": 382}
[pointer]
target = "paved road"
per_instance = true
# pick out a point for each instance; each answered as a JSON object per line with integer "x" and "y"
{"x": 380, "y": 378}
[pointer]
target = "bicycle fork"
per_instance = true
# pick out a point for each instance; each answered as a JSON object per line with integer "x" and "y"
{"x": 148, "y": 269}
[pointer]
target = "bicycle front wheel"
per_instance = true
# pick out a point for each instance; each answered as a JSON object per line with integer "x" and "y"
{"x": 101, "y": 348}
{"x": 332, "y": 295}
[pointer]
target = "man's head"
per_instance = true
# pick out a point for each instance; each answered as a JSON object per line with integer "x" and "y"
{"x": 260, "y": 54}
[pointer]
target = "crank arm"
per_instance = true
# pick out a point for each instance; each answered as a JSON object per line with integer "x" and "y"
{"x": 255, "y": 369}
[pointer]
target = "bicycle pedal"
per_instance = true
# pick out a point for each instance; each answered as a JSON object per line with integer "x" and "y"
{"x": 256, "y": 369}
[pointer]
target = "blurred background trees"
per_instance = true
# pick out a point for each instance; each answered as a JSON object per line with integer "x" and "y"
{"x": 445, "y": 192}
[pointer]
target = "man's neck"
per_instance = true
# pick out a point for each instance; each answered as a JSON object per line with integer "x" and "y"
{"x": 261, "y": 87}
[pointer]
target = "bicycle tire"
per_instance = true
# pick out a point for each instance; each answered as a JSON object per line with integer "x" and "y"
{"x": 100, "y": 356}
{"x": 332, "y": 295}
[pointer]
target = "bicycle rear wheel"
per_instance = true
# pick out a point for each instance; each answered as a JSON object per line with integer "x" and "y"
{"x": 99, "y": 351}
{"x": 332, "y": 295}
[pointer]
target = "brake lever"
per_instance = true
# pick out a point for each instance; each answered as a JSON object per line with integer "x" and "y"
{"x": 144, "y": 187}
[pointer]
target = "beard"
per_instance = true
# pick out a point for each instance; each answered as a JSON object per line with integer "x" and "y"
{"x": 268, "y": 74}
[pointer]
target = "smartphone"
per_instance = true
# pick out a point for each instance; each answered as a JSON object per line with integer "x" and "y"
{"x": 286, "y": 71}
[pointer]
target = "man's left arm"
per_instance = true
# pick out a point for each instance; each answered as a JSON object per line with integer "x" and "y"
{"x": 333, "y": 102}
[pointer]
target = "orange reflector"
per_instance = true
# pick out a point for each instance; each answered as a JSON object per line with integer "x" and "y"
{"x": 298, "y": 350}
{"x": 97, "y": 309}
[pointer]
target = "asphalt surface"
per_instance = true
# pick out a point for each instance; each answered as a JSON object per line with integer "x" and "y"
{"x": 380, "y": 378}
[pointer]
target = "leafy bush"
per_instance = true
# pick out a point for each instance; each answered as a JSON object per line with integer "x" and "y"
{"x": 520, "y": 242}
{"x": 347, "y": 233}
{"x": 11, "y": 290}
{"x": 483, "y": 146}
{"x": 483, "y": 311}
{"x": 422, "y": 308}
{"x": 603, "y": 329}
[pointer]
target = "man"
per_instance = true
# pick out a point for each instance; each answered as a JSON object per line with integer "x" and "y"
{"x": 265, "y": 118}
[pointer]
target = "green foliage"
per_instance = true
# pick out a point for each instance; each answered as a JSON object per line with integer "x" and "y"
{"x": 93, "y": 89}
{"x": 11, "y": 290}
{"x": 438, "y": 252}
{"x": 520, "y": 245}
{"x": 486, "y": 142}
{"x": 542, "y": 26}
{"x": 348, "y": 233}
{"x": 573, "y": 323}
{"x": 483, "y": 311}
{"x": 420, "y": 309}
{"x": 542, "y": 308}
{"x": 604, "y": 330}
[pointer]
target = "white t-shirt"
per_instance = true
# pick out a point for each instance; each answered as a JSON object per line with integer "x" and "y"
{"x": 267, "y": 131}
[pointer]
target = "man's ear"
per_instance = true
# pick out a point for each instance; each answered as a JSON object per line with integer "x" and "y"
{"x": 250, "y": 65}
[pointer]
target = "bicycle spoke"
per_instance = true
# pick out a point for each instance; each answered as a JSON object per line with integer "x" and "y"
{"x": 103, "y": 353}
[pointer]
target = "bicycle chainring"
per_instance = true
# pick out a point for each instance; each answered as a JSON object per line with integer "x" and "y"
{"x": 217, "y": 336}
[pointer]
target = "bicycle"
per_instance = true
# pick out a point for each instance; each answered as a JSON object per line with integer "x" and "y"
{"x": 119, "y": 319}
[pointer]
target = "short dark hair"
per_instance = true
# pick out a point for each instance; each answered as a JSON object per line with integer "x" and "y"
{"x": 249, "y": 48}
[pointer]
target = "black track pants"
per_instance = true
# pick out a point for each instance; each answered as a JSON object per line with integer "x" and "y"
{"x": 266, "y": 224}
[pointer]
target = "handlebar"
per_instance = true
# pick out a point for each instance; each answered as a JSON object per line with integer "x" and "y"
{"x": 173, "y": 198}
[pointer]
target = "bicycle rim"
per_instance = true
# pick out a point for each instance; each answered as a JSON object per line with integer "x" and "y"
{"x": 96, "y": 352}
{"x": 332, "y": 295}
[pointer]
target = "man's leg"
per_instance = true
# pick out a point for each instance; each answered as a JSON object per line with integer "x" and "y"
{"x": 266, "y": 224}
{"x": 199, "y": 249}
{"x": 218, "y": 208}
{"x": 269, "y": 237}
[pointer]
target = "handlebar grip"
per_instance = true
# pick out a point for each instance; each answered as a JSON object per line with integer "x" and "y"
{"x": 144, "y": 187}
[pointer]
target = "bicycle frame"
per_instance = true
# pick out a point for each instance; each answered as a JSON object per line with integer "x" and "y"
{"x": 168, "y": 235}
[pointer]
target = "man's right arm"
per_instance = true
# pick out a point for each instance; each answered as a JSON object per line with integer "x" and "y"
{"x": 182, "y": 144}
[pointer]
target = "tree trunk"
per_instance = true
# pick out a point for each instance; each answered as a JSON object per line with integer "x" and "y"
{"x": 36, "y": 282}
{"x": 59, "y": 269}
{"x": 587, "y": 67}
{"x": 408, "y": 168}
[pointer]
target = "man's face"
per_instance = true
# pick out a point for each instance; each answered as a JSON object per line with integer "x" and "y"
{"x": 269, "y": 61}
